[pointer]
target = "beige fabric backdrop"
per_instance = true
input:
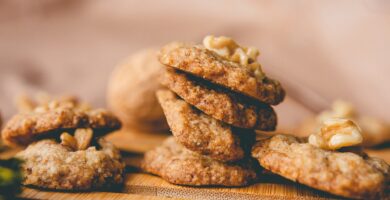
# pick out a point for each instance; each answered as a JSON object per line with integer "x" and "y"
{"x": 320, "y": 50}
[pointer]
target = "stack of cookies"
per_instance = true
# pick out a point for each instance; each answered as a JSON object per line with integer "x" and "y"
{"x": 217, "y": 97}
{"x": 64, "y": 148}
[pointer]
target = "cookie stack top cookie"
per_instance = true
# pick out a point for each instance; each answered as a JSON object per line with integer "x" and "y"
{"x": 217, "y": 97}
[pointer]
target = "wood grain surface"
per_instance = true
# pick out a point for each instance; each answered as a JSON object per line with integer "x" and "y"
{"x": 139, "y": 185}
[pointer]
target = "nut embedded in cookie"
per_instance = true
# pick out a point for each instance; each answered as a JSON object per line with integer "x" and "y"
{"x": 178, "y": 165}
{"x": 342, "y": 173}
{"x": 227, "y": 64}
{"x": 335, "y": 134}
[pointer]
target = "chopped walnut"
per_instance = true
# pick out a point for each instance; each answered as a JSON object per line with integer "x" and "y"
{"x": 68, "y": 140}
{"x": 336, "y": 133}
{"x": 230, "y": 50}
{"x": 80, "y": 141}
{"x": 83, "y": 137}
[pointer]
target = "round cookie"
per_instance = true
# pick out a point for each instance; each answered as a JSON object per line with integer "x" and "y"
{"x": 342, "y": 173}
{"x": 56, "y": 116}
{"x": 178, "y": 165}
{"x": 202, "y": 133}
{"x": 48, "y": 164}
{"x": 131, "y": 92}
{"x": 236, "y": 110}
{"x": 206, "y": 64}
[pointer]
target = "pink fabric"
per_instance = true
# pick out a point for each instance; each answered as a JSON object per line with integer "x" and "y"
{"x": 320, "y": 50}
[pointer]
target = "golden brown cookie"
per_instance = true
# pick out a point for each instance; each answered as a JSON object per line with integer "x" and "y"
{"x": 202, "y": 133}
{"x": 48, "y": 164}
{"x": 55, "y": 116}
{"x": 207, "y": 64}
{"x": 342, "y": 173}
{"x": 178, "y": 165}
{"x": 220, "y": 104}
{"x": 131, "y": 92}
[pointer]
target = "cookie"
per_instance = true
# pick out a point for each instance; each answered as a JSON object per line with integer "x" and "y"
{"x": 131, "y": 92}
{"x": 341, "y": 173}
{"x": 207, "y": 64}
{"x": 48, "y": 164}
{"x": 202, "y": 133}
{"x": 236, "y": 110}
{"x": 55, "y": 116}
{"x": 178, "y": 165}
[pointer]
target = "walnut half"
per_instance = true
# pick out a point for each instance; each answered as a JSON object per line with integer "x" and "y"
{"x": 337, "y": 133}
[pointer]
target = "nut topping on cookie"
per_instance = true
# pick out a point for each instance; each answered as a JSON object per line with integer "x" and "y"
{"x": 230, "y": 50}
{"x": 336, "y": 133}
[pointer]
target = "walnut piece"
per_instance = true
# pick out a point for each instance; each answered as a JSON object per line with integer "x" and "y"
{"x": 230, "y": 50}
{"x": 83, "y": 137}
{"x": 336, "y": 133}
{"x": 68, "y": 140}
{"x": 80, "y": 141}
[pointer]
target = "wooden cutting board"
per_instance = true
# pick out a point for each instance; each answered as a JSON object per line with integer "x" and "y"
{"x": 139, "y": 185}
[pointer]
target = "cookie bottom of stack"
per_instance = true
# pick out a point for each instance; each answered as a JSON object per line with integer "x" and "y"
{"x": 178, "y": 165}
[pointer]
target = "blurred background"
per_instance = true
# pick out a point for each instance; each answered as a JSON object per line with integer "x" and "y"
{"x": 319, "y": 50}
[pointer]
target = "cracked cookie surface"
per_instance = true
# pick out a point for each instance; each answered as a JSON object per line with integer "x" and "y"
{"x": 54, "y": 116}
{"x": 220, "y": 104}
{"x": 202, "y": 133}
{"x": 342, "y": 173}
{"x": 178, "y": 165}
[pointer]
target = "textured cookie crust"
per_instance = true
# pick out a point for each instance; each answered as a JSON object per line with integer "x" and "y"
{"x": 206, "y": 64}
{"x": 221, "y": 104}
{"x": 202, "y": 133}
{"x": 131, "y": 92}
{"x": 341, "y": 173}
{"x": 48, "y": 164}
{"x": 56, "y": 116}
{"x": 178, "y": 165}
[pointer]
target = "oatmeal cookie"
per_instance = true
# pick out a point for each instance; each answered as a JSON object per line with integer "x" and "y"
{"x": 207, "y": 64}
{"x": 236, "y": 110}
{"x": 202, "y": 133}
{"x": 131, "y": 92}
{"x": 342, "y": 173}
{"x": 178, "y": 165}
{"x": 48, "y": 164}
{"x": 53, "y": 117}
